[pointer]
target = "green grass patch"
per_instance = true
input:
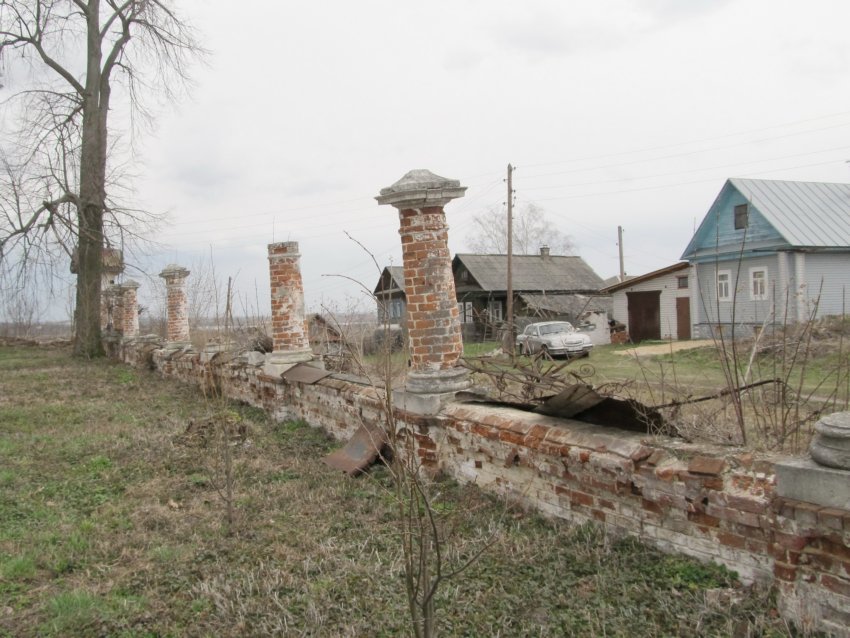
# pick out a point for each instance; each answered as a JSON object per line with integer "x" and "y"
{"x": 111, "y": 525}
{"x": 478, "y": 349}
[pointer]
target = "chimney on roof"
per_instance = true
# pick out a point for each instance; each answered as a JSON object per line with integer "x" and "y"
{"x": 544, "y": 250}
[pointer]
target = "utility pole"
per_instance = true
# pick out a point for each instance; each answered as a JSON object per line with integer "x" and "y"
{"x": 508, "y": 343}
{"x": 620, "y": 244}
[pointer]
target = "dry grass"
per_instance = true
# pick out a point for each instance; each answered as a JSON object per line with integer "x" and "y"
{"x": 810, "y": 364}
{"x": 110, "y": 524}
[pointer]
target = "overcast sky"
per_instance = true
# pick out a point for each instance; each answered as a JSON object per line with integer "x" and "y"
{"x": 615, "y": 112}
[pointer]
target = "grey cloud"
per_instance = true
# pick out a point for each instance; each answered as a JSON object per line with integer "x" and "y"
{"x": 669, "y": 12}
{"x": 545, "y": 37}
{"x": 313, "y": 187}
{"x": 203, "y": 179}
{"x": 462, "y": 59}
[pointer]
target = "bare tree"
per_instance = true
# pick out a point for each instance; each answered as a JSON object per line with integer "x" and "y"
{"x": 531, "y": 230}
{"x": 53, "y": 194}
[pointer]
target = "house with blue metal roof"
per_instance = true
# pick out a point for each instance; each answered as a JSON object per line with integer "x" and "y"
{"x": 770, "y": 253}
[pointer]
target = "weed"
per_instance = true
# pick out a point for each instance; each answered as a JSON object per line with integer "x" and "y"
{"x": 18, "y": 568}
{"x": 126, "y": 376}
{"x": 105, "y": 529}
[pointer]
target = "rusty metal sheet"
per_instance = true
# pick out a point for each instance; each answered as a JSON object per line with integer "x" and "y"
{"x": 360, "y": 452}
{"x": 573, "y": 400}
{"x": 304, "y": 373}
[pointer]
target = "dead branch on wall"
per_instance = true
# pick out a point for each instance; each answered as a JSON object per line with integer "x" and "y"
{"x": 430, "y": 554}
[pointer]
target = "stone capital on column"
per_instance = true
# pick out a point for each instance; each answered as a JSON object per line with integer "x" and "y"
{"x": 174, "y": 273}
{"x": 421, "y": 188}
{"x": 432, "y": 317}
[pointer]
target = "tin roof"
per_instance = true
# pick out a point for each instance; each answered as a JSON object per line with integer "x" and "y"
{"x": 632, "y": 281}
{"x": 813, "y": 214}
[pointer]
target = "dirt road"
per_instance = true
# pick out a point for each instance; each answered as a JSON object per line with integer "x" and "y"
{"x": 664, "y": 348}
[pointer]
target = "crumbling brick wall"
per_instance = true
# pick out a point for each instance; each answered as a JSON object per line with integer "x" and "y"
{"x": 717, "y": 504}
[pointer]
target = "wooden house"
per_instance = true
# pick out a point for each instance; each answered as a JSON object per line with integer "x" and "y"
{"x": 544, "y": 287}
{"x": 768, "y": 253}
{"x": 390, "y": 295}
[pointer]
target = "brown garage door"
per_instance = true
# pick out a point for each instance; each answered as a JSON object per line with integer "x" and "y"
{"x": 683, "y": 317}
{"x": 644, "y": 315}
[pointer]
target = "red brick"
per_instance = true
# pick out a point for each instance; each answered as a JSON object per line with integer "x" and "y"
{"x": 580, "y": 498}
{"x": 511, "y": 437}
{"x": 706, "y": 465}
{"x": 791, "y": 541}
{"x": 425, "y": 442}
{"x": 651, "y": 506}
{"x": 656, "y": 457}
{"x": 703, "y": 519}
{"x": 666, "y": 473}
{"x": 484, "y": 431}
{"x": 736, "y": 516}
{"x": 785, "y": 572}
{"x": 595, "y": 483}
{"x": 731, "y": 540}
{"x": 838, "y": 585}
{"x": 833, "y": 547}
{"x": 819, "y": 561}
{"x": 605, "y": 504}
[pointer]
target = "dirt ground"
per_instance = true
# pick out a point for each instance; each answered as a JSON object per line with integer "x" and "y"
{"x": 664, "y": 348}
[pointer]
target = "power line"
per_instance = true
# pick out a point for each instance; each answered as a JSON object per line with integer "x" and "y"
{"x": 693, "y": 170}
{"x": 697, "y": 141}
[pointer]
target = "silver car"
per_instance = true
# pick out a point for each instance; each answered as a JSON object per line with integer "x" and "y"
{"x": 553, "y": 337}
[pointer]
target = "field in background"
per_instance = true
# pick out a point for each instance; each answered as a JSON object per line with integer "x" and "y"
{"x": 814, "y": 371}
{"x": 111, "y": 524}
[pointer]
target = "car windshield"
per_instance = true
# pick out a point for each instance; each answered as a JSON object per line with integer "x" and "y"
{"x": 554, "y": 328}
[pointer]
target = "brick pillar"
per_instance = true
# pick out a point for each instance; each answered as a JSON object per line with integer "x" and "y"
{"x": 116, "y": 314}
{"x": 107, "y": 300}
{"x": 432, "y": 315}
{"x": 177, "y": 332}
{"x": 130, "y": 320}
{"x": 290, "y": 338}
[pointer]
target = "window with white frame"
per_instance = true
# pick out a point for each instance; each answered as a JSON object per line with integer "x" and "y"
{"x": 724, "y": 285}
{"x": 758, "y": 283}
{"x": 396, "y": 310}
{"x": 464, "y": 311}
{"x": 494, "y": 309}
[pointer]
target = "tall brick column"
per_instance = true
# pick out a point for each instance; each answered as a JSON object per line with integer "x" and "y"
{"x": 130, "y": 320}
{"x": 177, "y": 332}
{"x": 290, "y": 338}
{"x": 432, "y": 315}
{"x": 110, "y": 309}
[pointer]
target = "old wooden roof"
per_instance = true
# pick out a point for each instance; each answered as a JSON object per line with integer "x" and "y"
{"x": 571, "y": 305}
{"x": 392, "y": 280}
{"x": 530, "y": 273}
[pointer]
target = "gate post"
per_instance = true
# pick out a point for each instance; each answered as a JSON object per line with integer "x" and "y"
{"x": 177, "y": 317}
{"x": 290, "y": 336}
{"x": 432, "y": 315}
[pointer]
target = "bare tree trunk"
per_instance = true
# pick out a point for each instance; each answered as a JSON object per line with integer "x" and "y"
{"x": 66, "y": 166}
{"x": 92, "y": 202}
